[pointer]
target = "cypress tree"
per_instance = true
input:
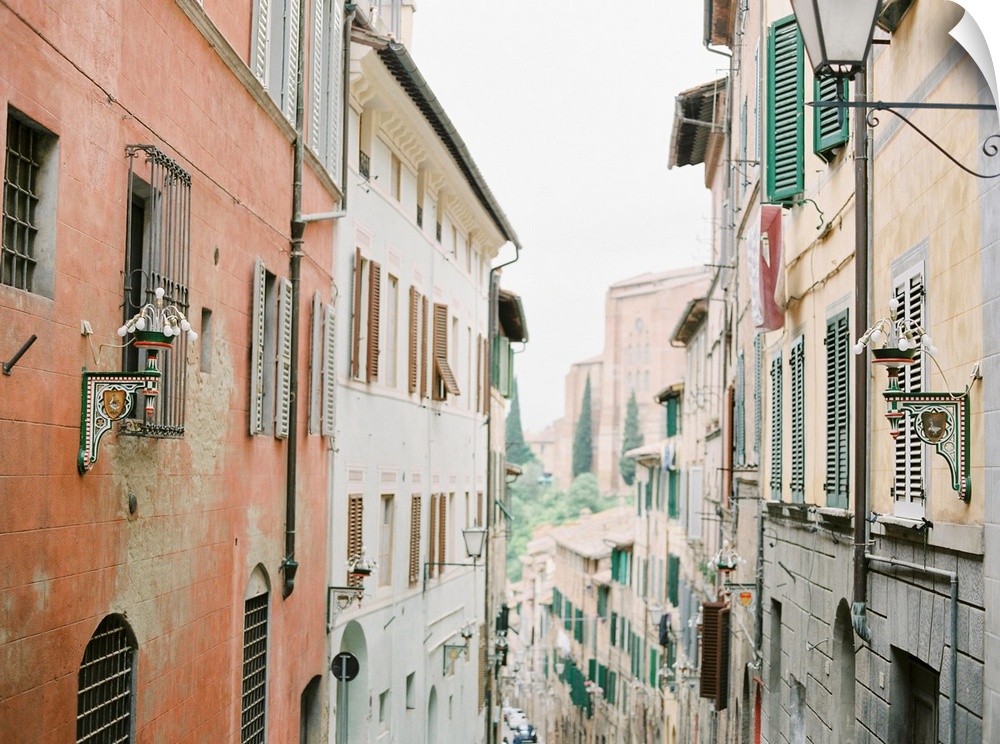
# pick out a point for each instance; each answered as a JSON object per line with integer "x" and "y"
{"x": 631, "y": 439}
{"x": 583, "y": 445}
{"x": 518, "y": 452}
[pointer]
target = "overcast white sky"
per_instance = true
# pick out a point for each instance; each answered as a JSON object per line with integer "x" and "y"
{"x": 567, "y": 108}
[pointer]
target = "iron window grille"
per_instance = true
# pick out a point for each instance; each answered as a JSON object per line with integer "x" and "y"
{"x": 106, "y": 694}
{"x": 364, "y": 164}
{"x": 254, "y": 699}
{"x": 158, "y": 254}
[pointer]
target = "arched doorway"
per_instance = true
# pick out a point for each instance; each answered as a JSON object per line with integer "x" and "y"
{"x": 351, "y": 698}
{"x": 844, "y": 716}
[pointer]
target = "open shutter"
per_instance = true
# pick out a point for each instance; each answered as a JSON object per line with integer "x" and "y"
{"x": 284, "y": 376}
{"x": 327, "y": 428}
{"x": 356, "y": 317}
{"x": 257, "y": 351}
{"x": 444, "y": 380}
{"x": 777, "y": 413}
{"x": 355, "y": 536}
{"x": 292, "y": 63}
{"x": 785, "y": 126}
{"x": 414, "y": 566}
{"x": 335, "y": 109}
{"x": 831, "y": 128}
{"x": 837, "y": 342}
{"x": 374, "y": 300}
{"x": 316, "y": 75}
{"x": 315, "y": 364}
{"x": 414, "y": 346}
{"x": 261, "y": 23}
{"x": 714, "y": 681}
{"x": 908, "y": 483}
{"x": 796, "y": 366}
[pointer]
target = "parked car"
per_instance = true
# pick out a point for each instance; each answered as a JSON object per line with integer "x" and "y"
{"x": 527, "y": 732}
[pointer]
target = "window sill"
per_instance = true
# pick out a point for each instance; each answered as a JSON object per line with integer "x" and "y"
{"x": 960, "y": 538}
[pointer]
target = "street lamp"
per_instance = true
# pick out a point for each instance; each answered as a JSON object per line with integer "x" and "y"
{"x": 475, "y": 540}
{"x": 837, "y": 33}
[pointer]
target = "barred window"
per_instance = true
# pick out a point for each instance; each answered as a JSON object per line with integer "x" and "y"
{"x": 106, "y": 694}
{"x": 29, "y": 197}
{"x": 158, "y": 254}
{"x": 254, "y": 698}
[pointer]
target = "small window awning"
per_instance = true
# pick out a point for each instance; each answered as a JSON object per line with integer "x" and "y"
{"x": 698, "y": 124}
{"x": 690, "y": 321}
{"x": 603, "y": 578}
{"x": 442, "y": 368}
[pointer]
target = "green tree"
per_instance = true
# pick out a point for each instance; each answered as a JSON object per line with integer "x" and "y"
{"x": 583, "y": 445}
{"x": 518, "y": 452}
{"x": 631, "y": 439}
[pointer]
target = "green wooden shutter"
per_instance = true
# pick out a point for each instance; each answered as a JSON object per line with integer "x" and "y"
{"x": 797, "y": 368}
{"x": 831, "y": 128}
{"x": 672, "y": 427}
{"x": 614, "y": 627}
{"x": 674, "y": 489}
{"x": 785, "y": 98}
{"x": 777, "y": 412}
{"x": 837, "y": 394}
{"x": 673, "y": 579}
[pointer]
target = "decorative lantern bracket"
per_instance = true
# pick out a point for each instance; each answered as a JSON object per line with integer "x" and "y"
{"x": 940, "y": 419}
{"x": 109, "y": 397}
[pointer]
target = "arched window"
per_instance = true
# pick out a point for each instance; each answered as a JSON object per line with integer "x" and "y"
{"x": 254, "y": 702}
{"x": 106, "y": 693}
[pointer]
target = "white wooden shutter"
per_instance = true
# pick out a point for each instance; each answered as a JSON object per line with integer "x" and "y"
{"x": 316, "y": 76}
{"x": 336, "y": 115}
{"x": 910, "y": 481}
{"x": 258, "y": 51}
{"x": 694, "y": 504}
{"x": 257, "y": 351}
{"x": 329, "y": 373}
{"x": 315, "y": 364}
{"x": 283, "y": 382}
{"x": 291, "y": 81}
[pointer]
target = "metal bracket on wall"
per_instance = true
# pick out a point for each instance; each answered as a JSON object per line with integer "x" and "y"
{"x": 110, "y": 397}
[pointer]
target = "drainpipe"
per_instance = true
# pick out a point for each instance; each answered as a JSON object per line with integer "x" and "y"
{"x": 861, "y": 370}
{"x": 289, "y": 565}
{"x": 952, "y": 576}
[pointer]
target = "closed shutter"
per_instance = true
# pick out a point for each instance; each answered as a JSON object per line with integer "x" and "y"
{"x": 356, "y": 317}
{"x": 316, "y": 364}
{"x": 374, "y": 301}
{"x": 258, "y": 57}
{"x": 479, "y": 376}
{"x": 714, "y": 681}
{"x": 335, "y": 108}
{"x": 758, "y": 383}
{"x": 739, "y": 413}
{"x": 908, "y": 482}
{"x": 830, "y": 125}
{"x": 673, "y": 579}
{"x": 785, "y": 126}
{"x": 444, "y": 380}
{"x": 355, "y": 536}
{"x": 777, "y": 412}
{"x": 442, "y": 531}
{"x": 837, "y": 342}
{"x": 316, "y": 97}
{"x": 414, "y": 566}
{"x": 329, "y": 372}
{"x": 694, "y": 509}
{"x": 257, "y": 350}
{"x": 673, "y": 491}
{"x": 432, "y": 536}
{"x": 414, "y": 345}
{"x": 480, "y": 506}
{"x": 284, "y": 375}
{"x": 797, "y": 369}
{"x": 424, "y": 326}
{"x": 292, "y": 63}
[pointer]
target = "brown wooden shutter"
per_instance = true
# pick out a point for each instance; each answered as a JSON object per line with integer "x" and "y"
{"x": 715, "y": 653}
{"x": 414, "y": 339}
{"x": 414, "y": 571}
{"x": 356, "y": 318}
{"x": 444, "y": 380}
{"x": 488, "y": 393}
{"x": 374, "y": 302}
{"x": 423, "y": 347}
{"x": 432, "y": 538}
{"x": 355, "y": 537}
{"x": 479, "y": 509}
{"x": 442, "y": 530}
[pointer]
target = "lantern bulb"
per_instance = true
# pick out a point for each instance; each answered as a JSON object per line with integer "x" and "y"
{"x": 192, "y": 336}
{"x": 159, "y": 293}
{"x": 185, "y": 326}
{"x": 858, "y": 348}
{"x": 140, "y": 324}
{"x": 904, "y": 344}
{"x": 122, "y": 331}
{"x": 877, "y": 336}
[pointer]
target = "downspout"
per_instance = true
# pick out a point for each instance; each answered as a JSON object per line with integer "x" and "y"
{"x": 289, "y": 565}
{"x": 861, "y": 248}
{"x": 952, "y": 576}
{"x": 491, "y": 735}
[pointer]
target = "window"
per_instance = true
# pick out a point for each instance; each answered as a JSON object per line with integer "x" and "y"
{"x": 438, "y": 532}
{"x": 254, "y": 699}
{"x": 914, "y": 694}
{"x": 797, "y": 370}
{"x": 831, "y": 126}
{"x": 413, "y": 569}
{"x": 274, "y": 50}
{"x": 694, "y": 509}
{"x": 157, "y": 255}
{"x": 777, "y": 427}
{"x": 910, "y": 481}
{"x": 837, "y": 396}
{"x": 389, "y": 344}
{"x": 322, "y": 369}
{"x": 411, "y": 691}
{"x": 355, "y": 533}
{"x": 365, "y": 337}
{"x": 106, "y": 684}
{"x": 270, "y": 353}
{"x": 27, "y": 255}
{"x": 205, "y": 360}
{"x": 443, "y": 381}
{"x": 395, "y": 176}
{"x": 326, "y": 77}
{"x": 417, "y": 359}
{"x": 383, "y": 710}
{"x": 785, "y": 129}
{"x": 385, "y": 541}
